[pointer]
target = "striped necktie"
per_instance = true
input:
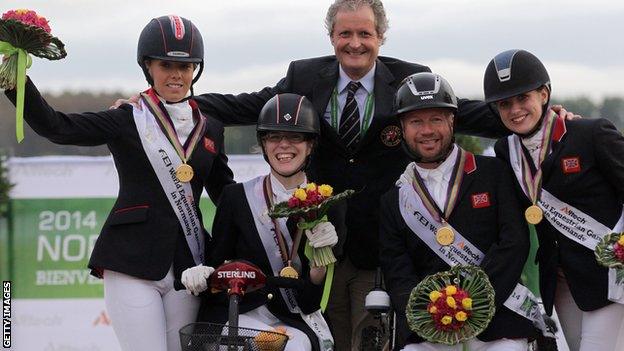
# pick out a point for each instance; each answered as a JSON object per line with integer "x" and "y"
{"x": 349, "y": 129}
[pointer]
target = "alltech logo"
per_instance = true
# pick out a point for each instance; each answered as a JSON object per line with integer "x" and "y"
{"x": 6, "y": 314}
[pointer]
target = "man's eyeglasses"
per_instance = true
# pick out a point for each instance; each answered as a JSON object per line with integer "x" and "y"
{"x": 278, "y": 137}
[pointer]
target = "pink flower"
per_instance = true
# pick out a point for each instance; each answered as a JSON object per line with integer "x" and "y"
{"x": 27, "y": 17}
{"x": 293, "y": 202}
{"x": 618, "y": 250}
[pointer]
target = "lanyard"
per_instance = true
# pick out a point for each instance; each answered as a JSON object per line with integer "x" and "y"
{"x": 368, "y": 111}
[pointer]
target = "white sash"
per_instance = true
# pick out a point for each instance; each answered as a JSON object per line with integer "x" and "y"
{"x": 570, "y": 221}
{"x": 254, "y": 192}
{"x": 164, "y": 161}
{"x": 461, "y": 251}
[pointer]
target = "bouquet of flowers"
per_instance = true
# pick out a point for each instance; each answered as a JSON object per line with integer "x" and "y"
{"x": 451, "y": 306}
{"x": 610, "y": 251}
{"x": 309, "y": 207}
{"x": 23, "y": 32}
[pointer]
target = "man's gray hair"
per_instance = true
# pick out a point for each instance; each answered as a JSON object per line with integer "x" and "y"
{"x": 381, "y": 21}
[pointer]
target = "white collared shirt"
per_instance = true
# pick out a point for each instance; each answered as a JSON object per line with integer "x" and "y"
{"x": 437, "y": 179}
{"x": 368, "y": 85}
{"x": 181, "y": 115}
{"x": 534, "y": 142}
{"x": 280, "y": 193}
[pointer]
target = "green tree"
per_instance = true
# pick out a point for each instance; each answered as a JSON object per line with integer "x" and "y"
{"x": 581, "y": 105}
{"x": 612, "y": 108}
{"x": 5, "y": 187}
{"x": 470, "y": 143}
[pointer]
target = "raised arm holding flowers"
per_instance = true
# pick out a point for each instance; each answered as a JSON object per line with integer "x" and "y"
{"x": 22, "y": 33}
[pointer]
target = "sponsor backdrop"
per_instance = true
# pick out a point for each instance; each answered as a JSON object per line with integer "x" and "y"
{"x": 58, "y": 207}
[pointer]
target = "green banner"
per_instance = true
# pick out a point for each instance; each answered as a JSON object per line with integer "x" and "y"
{"x": 50, "y": 243}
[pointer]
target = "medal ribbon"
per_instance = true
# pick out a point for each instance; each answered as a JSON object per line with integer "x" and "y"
{"x": 452, "y": 192}
{"x": 368, "y": 111}
{"x": 287, "y": 256}
{"x": 154, "y": 105}
{"x": 532, "y": 184}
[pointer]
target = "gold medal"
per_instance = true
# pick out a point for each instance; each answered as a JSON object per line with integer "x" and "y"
{"x": 184, "y": 173}
{"x": 289, "y": 272}
{"x": 533, "y": 214}
{"x": 445, "y": 236}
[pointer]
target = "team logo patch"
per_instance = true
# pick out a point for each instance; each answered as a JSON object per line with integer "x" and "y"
{"x": 391, "y": 136}
{"x": 287, "y": 117}
{"x": 571, "y": 165}
{"x": 209, "y": 145}
{"x": 480, "y": 200}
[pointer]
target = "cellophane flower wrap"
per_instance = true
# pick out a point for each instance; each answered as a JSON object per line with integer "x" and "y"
{"x": 452, "y": 306}
{"x": 309, "y": 207}
{"x": 610, "y": 253}
{"x": 24, "y": 32}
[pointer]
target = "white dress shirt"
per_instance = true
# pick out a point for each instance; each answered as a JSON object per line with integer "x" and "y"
{"x": 437, "y": 179}
{"x": 368, "y": 85}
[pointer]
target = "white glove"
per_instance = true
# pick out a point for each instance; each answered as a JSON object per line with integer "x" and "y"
{"x": 323, "y": 234}
{"x": 195, "y": 279}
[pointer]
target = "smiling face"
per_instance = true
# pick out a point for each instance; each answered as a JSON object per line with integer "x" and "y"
{"x": 172, "y": 80}
{"x": 428, "y": 132}
{"x": 356, "y": 41}
{"x": 522, "y": 112}
{"x": 286, "y": 151}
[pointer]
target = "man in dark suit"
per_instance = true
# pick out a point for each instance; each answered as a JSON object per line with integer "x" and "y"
{"x": 371, "y": 159}
{"x": 469, "y": 202}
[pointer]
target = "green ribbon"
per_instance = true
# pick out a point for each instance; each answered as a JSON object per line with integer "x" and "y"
{"x": 24, "y": 61}
{"x": 329, "y": 276}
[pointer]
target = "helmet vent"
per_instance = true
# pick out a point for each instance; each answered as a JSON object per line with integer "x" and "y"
{"x": 502, "y": 63}
{"x": 177, "y": 27}
{"x": 424, "y": 87}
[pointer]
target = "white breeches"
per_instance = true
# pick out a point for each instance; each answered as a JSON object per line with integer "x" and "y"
{"x": 147, "y": 315}
{"x": 587, "y": 331}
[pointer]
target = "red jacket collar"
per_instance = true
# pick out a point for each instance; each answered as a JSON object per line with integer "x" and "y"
{"x": 471, "y": 164}
{"x": 559, "y": 130}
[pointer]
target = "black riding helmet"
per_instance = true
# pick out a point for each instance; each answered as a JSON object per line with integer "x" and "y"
{"x": 171, "y": 38}
{"x": 514, "y": 72}
{"x": 288, "y": 113}
{"x": 422, "y": 91}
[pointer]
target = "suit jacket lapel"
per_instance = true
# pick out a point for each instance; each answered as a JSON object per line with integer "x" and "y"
{"x": 558, "y": 135}
{"x": 384, "y": 97}
{"x": 321, "y": 93}
{"x": 469, "y": 175}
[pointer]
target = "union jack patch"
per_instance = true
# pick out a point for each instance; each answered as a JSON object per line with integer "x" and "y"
{"x": 480, "y": 200}
{"x": 209, "y": 145}
{"x": 571, "y": 165}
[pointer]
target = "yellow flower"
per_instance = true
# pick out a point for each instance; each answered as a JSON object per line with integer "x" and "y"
{"x": 451, "y": 290}
{"x": 311, "y": 186}
{"x": 434, "y": 295}
{"x": 325, "y": 190}
{"x": 301, "y": 194}
{"x": 433, "y": 310}
{"x": 446, "y": 320}
{"x": 621, "y": 241}
{"x": 467, "y": 303}
{"x": 461, "y": 316}
{"x": 450, "y": 301}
